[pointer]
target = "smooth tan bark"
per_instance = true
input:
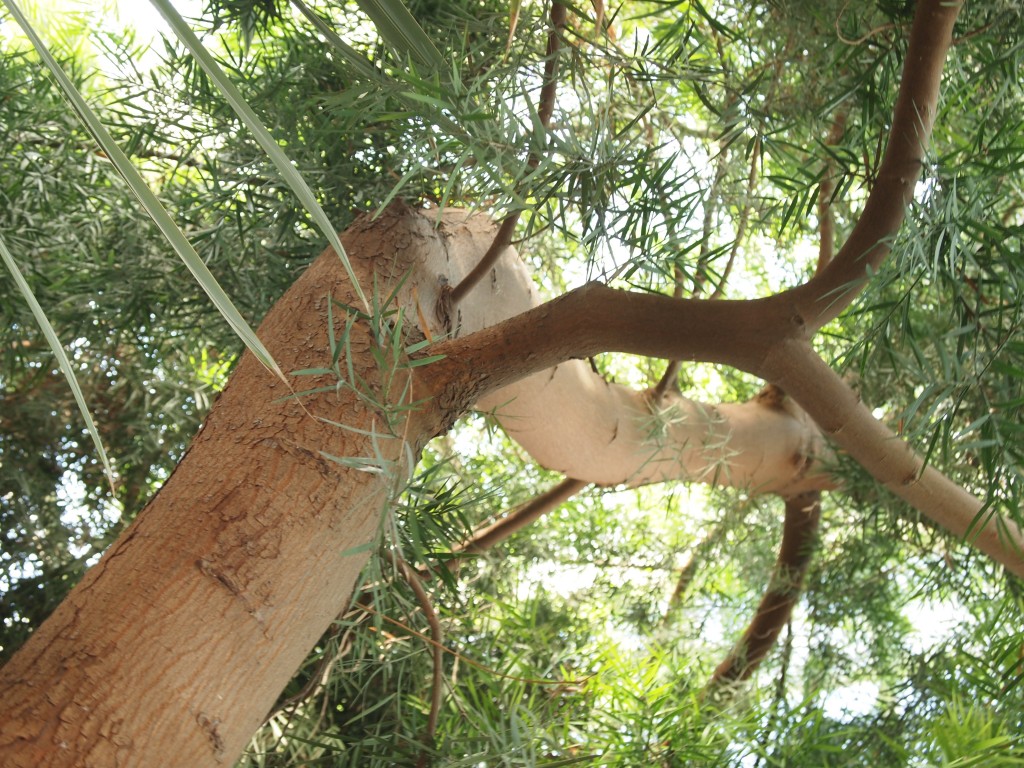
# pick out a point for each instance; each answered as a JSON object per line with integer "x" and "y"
{"x": 570, "y": 419}
{"x": 834, "y": 405}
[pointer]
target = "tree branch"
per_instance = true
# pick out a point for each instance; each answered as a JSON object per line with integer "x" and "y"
{"x": 826, "y": 218}
{"x": 799, "y": 531}
{"x": 826, "y": 295}
{"x": 488, "y": 536}
{"x": 410, "y": 576}
{"x": 545, "y": 109}
{"x": 837, "y": 409}
{"x": 760, "y": 336}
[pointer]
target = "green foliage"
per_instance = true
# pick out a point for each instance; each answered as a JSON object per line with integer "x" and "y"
{"x": 689, "y": 149}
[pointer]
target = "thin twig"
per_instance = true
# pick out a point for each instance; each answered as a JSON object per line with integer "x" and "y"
{"x": 866, "y": 36}
{"x": 437, "y": 641}
{"x": 826, "y": 219}
{"x": 502, "y": 240}
{"x": 741, "y": 226}
{"x": 486, "y": 537}
{"x": 545, "y": 109}
{"x": 688, "y": 571}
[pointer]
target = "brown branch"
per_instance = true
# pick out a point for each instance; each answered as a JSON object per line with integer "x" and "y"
{"x": 596, "y": 318}
{"x": 744, "y": 220}
{"x": 826, "y": 295}
{"x": 437, "y": 646}
{"x": 688, "y": 571}
{"x": 761, "y": 337}
{"x": 827, "y": 188}
{"x": 545, "y": 109}
{"x": 798, "y": 536}
{"x": 668, "y": 380}
{"x": 838, "y": 410}
{"x": 486, "y": 537}
{"x": 501, "y": 241}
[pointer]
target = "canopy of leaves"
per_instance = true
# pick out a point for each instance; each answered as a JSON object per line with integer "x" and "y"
{"x": 694, "y": 148}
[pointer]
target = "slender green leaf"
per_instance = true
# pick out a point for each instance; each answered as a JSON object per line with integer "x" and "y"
{"x": 259, "y": 131}
{"x": 402, "y": 32}
{"x": 148, "y": 199}
{"x": 62, "y": 358}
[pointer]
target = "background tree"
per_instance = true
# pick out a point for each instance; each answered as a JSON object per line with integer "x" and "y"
{"x": 690, "y": 150}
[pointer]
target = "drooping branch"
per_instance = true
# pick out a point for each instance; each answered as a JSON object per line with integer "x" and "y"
{"x": 826, "y": 295}
{"x": 799, "y": 531}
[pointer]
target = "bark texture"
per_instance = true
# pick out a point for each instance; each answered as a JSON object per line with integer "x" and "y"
{"x": 570, "y": 419}
{"x": 175, "y": 646}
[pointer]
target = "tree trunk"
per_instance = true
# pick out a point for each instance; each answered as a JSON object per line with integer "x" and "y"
{"x": 175, "y": 646}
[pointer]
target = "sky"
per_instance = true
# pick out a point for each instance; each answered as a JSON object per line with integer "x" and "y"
{"x": 140, "y": 15}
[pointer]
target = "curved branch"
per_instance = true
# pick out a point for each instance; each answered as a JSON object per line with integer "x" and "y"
{"x": 837, "y": 409}
{"x": 761, "y": 337}
{"x": 545, "y": 109}
{"x": 799, "y": 532}
{"x": 501, "y": 241}
{"x": 827, "y": 294}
